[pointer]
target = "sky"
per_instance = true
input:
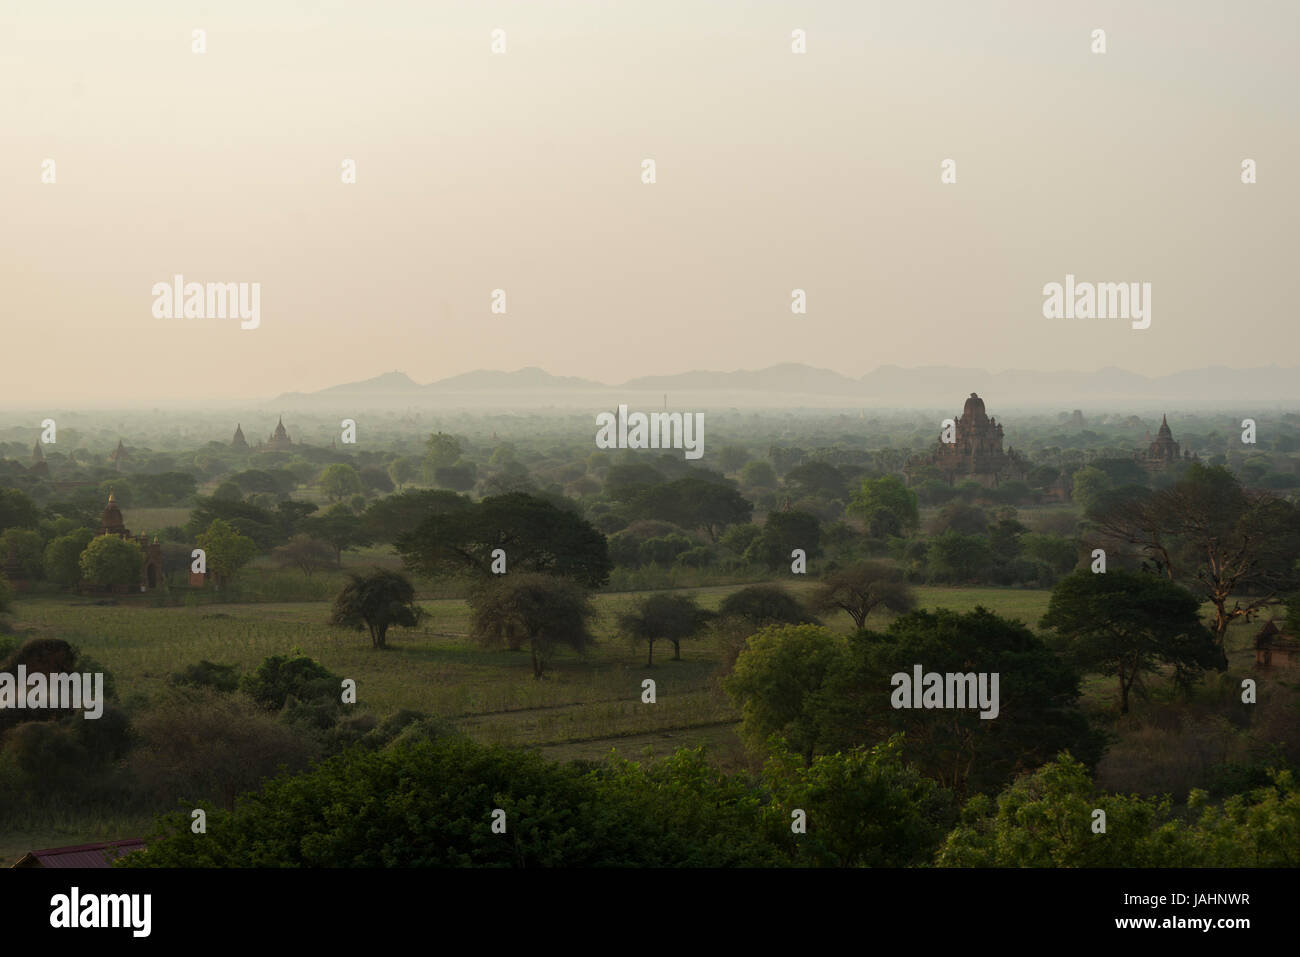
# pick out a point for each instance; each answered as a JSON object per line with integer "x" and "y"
{"x": 522, "y": 171}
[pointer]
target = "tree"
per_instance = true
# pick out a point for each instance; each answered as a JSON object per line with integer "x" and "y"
{"x": 378, "y": 601}
{"x": 305, "y": 553}
{"x": 6, "y": 594}
{"x": 375, "y": 479}
{"x": 27, "y": 548}
{"x": 1231, "y": 547}
{"x": 402, "y": 470}
{"x": 63, "y": 556}
{"x": 17, "y": 510}
{"x": 954, "y": 557}
{"x": 758, "y": 474}
{"x": 961, "y": 518}
{"x": 443, "y": 450}
{"x": 339, "y": 481}
{"x": 861, "y": 588}
{"x": 202, "y": 743}
{"x": 1045, "y": 820}
{"x": 1037, "y": 703}
{"x": 782, "y": 533}
{"x": 544, "y": 611}
{"x": 871, "y": 809}
{"x": 109, "y": 560}
{"x": 389, "y": 518}
{"x": 341, "y": 527}
{"x": 777, "y": 681}
{"x": 426, "y": 803}
{"x": 732, "y": 458}
{"x": 227, "y": 551}
{"x": 817, "y": 478}
{"x": 1125, "y": 625}
{"x": 461, "y": 478}
{"x": 228, "y": 492}
{"x": 693, "y": 502}
{"x": 267, "y": 529}
{"x": 757, "y": 606}
{"x": 534, "y": 533}
{"x": 663, "y": 616}
{"x": 1090, "y": 485}
{"x": 887, "y": 493}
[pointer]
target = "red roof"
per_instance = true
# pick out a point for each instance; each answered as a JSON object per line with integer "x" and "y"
{"x": 81, "y": 855}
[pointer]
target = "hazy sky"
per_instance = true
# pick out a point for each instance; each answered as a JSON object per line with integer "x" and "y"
{"x": 522, "y": 171}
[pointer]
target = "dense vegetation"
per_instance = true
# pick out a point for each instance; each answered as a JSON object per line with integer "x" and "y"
{"x": 514, "y": 591}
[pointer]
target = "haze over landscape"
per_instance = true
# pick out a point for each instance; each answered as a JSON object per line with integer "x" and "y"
{"x": 649, "y": 434}
{"x": 522, "y": 172}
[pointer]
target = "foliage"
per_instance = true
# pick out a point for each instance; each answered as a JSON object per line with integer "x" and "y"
{"x": 861, "y": 588}
{"x": 535, "y": 534}
{"x": 1037, "y": 698}
{"x": 662, "y": 616}
{"x": 544, "y": 611}
{"x": 1126, "y": 624}
{"x": 63, "y": 556}
{"x": 777, "y": 683}
{"x": 378, "y": 601}
{"x": 889, "y": 494}
{"x": 227, "y": 551}
{"x": 111, "y": 561}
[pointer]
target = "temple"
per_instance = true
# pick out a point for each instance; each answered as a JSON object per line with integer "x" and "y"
{"x": 1163, "y": 452}
{"x": 975, "y": 454}
{"x": 111, "y": 523}
{"x": 39, "y": 465}
{"x": 279, "y": 441}
{"x": 239, "y": 442}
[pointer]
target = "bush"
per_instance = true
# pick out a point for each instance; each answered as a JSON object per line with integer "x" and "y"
{"x": 208, "y": 675}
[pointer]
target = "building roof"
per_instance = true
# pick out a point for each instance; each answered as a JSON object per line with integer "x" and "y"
{"x": 112, "y": 517}
{"x": 81, "y": 855}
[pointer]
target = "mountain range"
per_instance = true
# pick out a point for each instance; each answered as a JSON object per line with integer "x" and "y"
{"x": 892, "y": 385}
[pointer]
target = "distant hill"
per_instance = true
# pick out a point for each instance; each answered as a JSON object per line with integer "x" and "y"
{"x": 924, "y": 386}
{"x": 529, "y": 378}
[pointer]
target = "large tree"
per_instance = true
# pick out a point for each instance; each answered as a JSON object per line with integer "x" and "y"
{"x": 1231, "y": 546}
{"x": 341, "y": 527}
{"x": 63, "y": 556}
{"x": 782, "y": 533}
{"x": 17, "y": 510}
{"x": 340, "y": 481}
{"x": 306, "y": 554}
{"x": 700, "y": 502}
{"x": 758, "y": 606}
{"x": 389, "y": 518}
{"x": 535, "y": 534}
{"x": 886, "y": 494}
{"x": 377, "y": 601}
{"x": 109, "y": 560}
{"x": 666, "y": 617}
{"x": 1037, "y": 713}
{"x": 777, "y": 683}
{"x": 542, "y": 610}
{"x": 226, "y": 550}
{"x": 1125, "y": 624}
{"x": 861, "y": 588}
